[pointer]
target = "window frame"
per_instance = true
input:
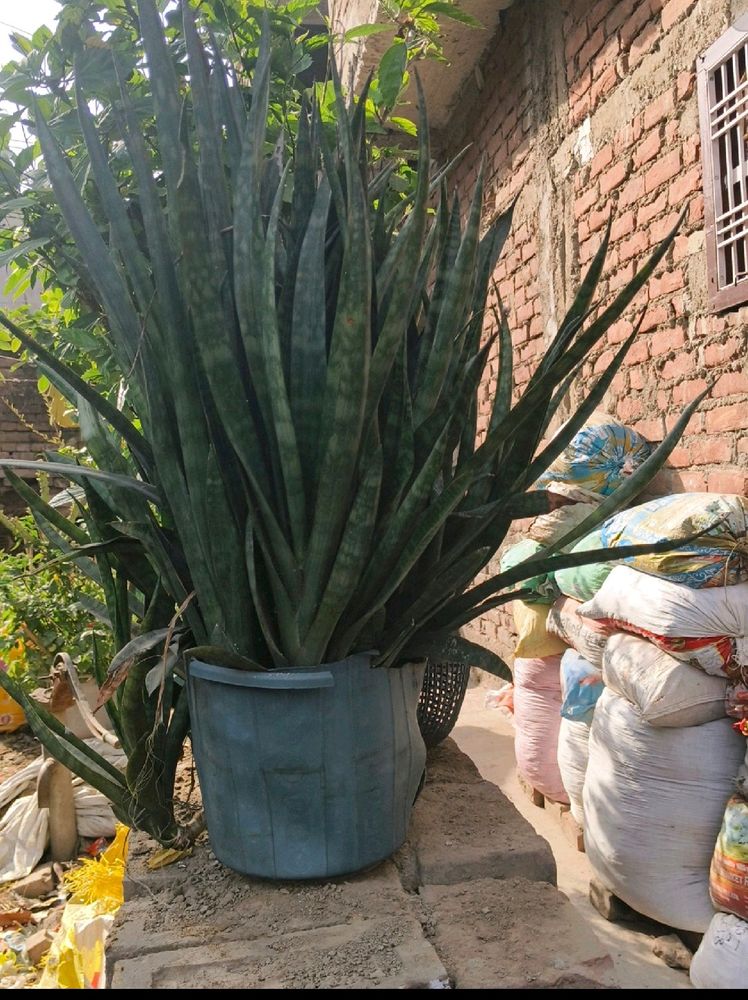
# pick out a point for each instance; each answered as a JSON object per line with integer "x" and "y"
{"x": 736, "y": 294}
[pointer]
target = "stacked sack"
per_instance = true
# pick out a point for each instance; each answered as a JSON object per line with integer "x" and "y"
{"x": 558, "y": 654}
{"x": 663, "y": 754}
{"x": 721, "y": 961}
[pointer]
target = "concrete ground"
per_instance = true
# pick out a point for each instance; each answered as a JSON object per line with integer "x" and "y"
{"x": 468, "y": 902}
{"x": 486, "y": 735}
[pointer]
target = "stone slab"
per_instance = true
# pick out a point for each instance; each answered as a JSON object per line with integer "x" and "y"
{"x": 513, "y": 934}
{"x": 203, "y": 900}
{"x": 472, "y": 831}
{"x": 381, "y": 953}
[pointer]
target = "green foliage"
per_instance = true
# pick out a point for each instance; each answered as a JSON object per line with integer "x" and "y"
{"x": 45, "y": 608}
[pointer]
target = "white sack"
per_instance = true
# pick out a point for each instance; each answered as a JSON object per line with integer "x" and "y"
{"x": 671, "y": 609}
{"x": 721, "y": 961}
{"x": 663, "y": 690}
{"x": 573, "y": 754}
{"x": 653, "y": 800}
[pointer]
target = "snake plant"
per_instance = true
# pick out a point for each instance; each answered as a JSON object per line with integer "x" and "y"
{"x": 297, "y": 464}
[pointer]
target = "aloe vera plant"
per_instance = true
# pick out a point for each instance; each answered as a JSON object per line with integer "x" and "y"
{"x": 295, "y": 475}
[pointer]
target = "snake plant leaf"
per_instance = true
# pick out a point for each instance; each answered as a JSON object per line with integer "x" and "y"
{"x": 440, "y": 647}
{"x": 354, "y": 556}
{"x": 580, "y": 306}
{"x": 347, "y": 382}
{"x": 80, "y": 472}
{"x": 308, "y": 341}
{"x": 125, "y": 658}
{"x": 58, "y": 520}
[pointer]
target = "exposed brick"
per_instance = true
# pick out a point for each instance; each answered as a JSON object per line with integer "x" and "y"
{"x": 602, "y": 159}
{"x": 666, "y": 284}
{"x": 632, "y": 191}
{"x": 684, "y": 392}
{"x": 584, "y": 202}
{"x": 662, "y": 171}
{"x": 710, "y": 450}
{"x": 730, "y": 384}
{"x": 659, "y": 109}
{"x": 733, "y": 417}
{"x": 652, "y": 429}
{"x": 612, "y": 178}
{"x": 655, "y": 316}
{"x": 620, "y": 13}
{"x": 648, "y": 148}
{"x": 673, "y": 10}
{"x": 644, "y": 42}
{"x": 678, "y": 366}
{"x": 684, "y": 84}
{"x": 666, "y": 340}
{"x": 718, "y": 354}
{"x": 576, "y": 39}
{"x": 634, "y": 247}
{"x": 603, "y": 84}
{"x": 686, "y": 183}
{"x": 662, "y": 227}
{"x": 680, "y": 458}
{"x": 728, "y": 481}
{"x": 638, "y": 352}
{"x": 623, "y": 225}
{"x": 645, "y": 213}
{"x": 592, "y": 46}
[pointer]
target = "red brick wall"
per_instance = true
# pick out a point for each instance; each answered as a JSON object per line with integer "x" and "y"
{"x": 591, "y": 109}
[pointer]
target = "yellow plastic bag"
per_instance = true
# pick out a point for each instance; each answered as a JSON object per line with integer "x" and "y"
{"x": 11, "y": 714}
{"x": 77, "y": 958}
{"x": 533, "y": 640}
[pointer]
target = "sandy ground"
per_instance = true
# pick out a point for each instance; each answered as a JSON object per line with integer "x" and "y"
{"x": 487, "y": 736}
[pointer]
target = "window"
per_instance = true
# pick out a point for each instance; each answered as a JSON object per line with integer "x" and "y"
{"x": 723, "y": 110}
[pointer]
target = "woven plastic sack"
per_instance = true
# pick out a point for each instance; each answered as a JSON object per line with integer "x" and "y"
{"x": 728, "y": 876}
{"x": 588, "y": 637}
{"x": 546, "y": 528}
{"x": 533, "y": 638}
{"x": 583, "y": 582}
{"x": 707, "y": 627}
{"x": 664, "y": 691}
{"x": 537, "y": 717}
{"x": 599, "y": 457}
{"x": 581, "y": 686}
{"x": 721, "y": 960}
{"x": 573, "y": 755}
{"x": 653, "y": 804}
{"x": 716, "y": 560}
{"x": 540, "y": 583}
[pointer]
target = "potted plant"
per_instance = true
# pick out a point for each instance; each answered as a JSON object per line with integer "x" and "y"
{"x": 294, "y": 481}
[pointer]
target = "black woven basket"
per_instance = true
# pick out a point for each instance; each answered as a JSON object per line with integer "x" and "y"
{"x": 442, "y": 694}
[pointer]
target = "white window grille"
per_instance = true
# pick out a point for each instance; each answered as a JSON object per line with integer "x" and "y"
{"x": 723, "y": 108}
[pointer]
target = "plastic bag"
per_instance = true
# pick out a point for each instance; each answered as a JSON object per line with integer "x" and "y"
{"x": 728, "y": 876}
{"x": 533, "y": 638}
{"x": 12, "y": 716}
{"x": 545, "y": 593}
{"x": 581, "y": 686}
{"x": 583, "y": 582}
{"x": 721, "y": 960}
{"x": 599, "y": 457}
